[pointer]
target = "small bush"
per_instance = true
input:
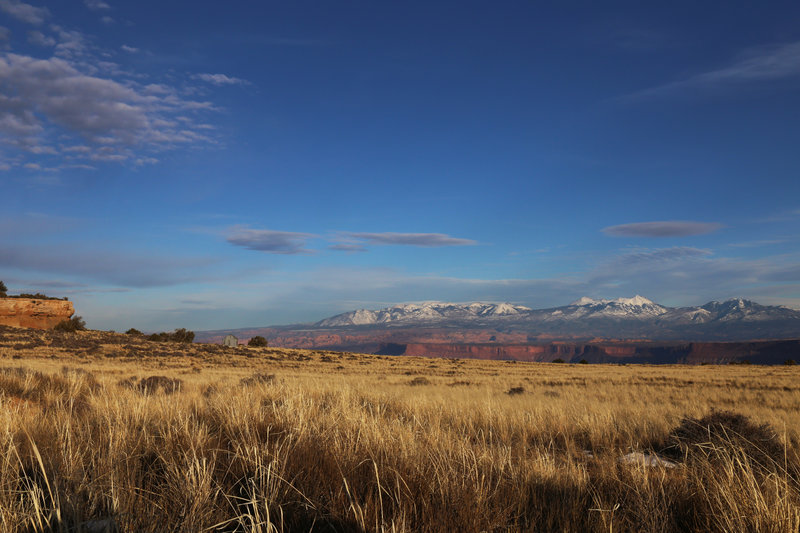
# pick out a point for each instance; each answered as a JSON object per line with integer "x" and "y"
{"x": 515, "y": 390}
{"x": 724, "y": 431}
{"x": 134, "y": 331}
{"x": 179, "y": 335}
{"x": 72, "y": 324}
{"x": 583, "y": 362}
{"x": 257, "y": 378}
{"x": 419, "y": 381}
{"x": 37, "y": 296}
{"x": 258, "y": 342}
{"x": 153, "y": 384}
{"x": 790, "y": 362}
{"x": 558, "y": 360}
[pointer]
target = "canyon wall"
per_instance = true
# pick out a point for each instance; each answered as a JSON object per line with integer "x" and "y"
{"x": 514, "y": 345}
{"x": 756, "y": 352}
{"x": 29, "y": 313}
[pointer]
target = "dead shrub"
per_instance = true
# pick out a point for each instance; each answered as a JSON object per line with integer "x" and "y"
{"x": 127, "y": 383}
{"x": 728, "y": 432}
{"x": 257, "y": 378}
{"x": 154, "y": 384}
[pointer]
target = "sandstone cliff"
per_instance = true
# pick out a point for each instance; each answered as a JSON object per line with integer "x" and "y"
{"x": 38, "y": 314}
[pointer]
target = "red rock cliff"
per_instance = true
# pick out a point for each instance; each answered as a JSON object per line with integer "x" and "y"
{"x": 38, "y": 314}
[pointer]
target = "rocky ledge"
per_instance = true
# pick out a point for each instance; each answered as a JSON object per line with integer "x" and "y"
{"x": 30, "y": 313}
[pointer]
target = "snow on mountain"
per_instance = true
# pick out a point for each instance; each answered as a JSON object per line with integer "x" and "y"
{"x": 424, "y": 312}
{"x": 636, "y": 317}
{"x": 637, "y": 307}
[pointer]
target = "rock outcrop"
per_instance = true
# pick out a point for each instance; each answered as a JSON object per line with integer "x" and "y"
{"x": 38, "y": 314}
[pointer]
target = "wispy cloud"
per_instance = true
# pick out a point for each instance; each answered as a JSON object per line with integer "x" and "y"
{"x": 665, "y": 228}
{"x": 762, "y": 64}
{"x": 96, "y": 5}
{"x": 347, "y": 247}
{"x": 270, "y": 241}
{"x": 685, "y": 275}
{"x": 409, "y": 239}
{"x": 40, "y": 39}
{"x": 660, "y": 256}
{"x": 757, "y": 244}
{"x": 24, "y": 12}
{"x": 29, "y": 224}
{"x": 129, "y": 49}
{"x": 105, "y": 266}
{"x": 221, "y": 79}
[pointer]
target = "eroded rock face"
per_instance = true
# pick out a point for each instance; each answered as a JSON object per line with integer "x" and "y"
{"x": 38, "y": 314}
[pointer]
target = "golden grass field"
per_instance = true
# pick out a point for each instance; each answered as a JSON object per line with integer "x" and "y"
{"x": 267, "y": 439}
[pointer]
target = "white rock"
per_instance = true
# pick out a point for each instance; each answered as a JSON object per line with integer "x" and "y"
{"x": 645, "y": 459}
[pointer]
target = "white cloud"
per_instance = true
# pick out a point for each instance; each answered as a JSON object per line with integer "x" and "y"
{"x": 24, "y": 12}
{"x": 111, "y": 120}
{"x": 763, "y": 64}
{"x": 96, "y": 5}
{"x": 221, "y": 79}
{"x": 129, "y": 49}
{"x": 40, "y": 39}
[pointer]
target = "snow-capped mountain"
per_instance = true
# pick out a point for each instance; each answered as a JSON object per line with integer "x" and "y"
{"x": 428, "y": 312}
{"x": 636, "y": 317}
{"x": 637, "y": 307}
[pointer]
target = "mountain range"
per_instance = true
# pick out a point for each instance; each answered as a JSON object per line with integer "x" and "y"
{"x": 620, "y": 318}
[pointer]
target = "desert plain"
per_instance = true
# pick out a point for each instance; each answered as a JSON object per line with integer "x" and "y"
{"x": 111, "y": 432}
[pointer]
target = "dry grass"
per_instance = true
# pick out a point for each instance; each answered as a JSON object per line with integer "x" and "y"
{"x": 285, "y": 440}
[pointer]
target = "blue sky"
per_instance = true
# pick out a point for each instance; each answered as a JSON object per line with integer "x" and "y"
{"x": 207, "y": 165}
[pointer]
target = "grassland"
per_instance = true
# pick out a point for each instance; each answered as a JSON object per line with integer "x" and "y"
{"x": 288, "y": 440}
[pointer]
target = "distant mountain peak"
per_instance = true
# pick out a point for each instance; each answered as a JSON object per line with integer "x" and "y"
{"x": 637, "y": 301}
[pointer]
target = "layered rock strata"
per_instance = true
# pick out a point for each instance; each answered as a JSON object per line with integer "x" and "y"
{"x": 38, "y": 314}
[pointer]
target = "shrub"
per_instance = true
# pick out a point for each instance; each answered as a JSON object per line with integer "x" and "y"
{"x": 133, "y": 331}
{"x": 558, "y": 360}
{"x": 72, "y": 324}
{"x": 721, "y": 432}
{"x": 419, "y": 381}
{"x": 257, "y": 378}
{"x": 790, "y": 362}
{"x": 515, "y": 390}
{"x": 583, "y": 362}
{"x": 37, "y": 296}
{"x": 153, "y": 384}
{"x": 179, "y": 335}
{"x": 3, "y": 290}
{"x": 258, "y": 341}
